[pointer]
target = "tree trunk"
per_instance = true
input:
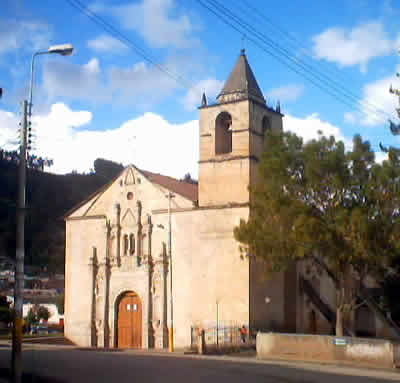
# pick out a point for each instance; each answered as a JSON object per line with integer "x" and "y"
{"x": 339, "y": 321}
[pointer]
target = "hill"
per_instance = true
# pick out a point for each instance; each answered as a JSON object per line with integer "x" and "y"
{"x": 48, "y": 198}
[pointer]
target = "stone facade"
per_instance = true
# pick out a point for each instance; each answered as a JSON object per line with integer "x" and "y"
{"x": 117, "y": 242}
{"x": 207, "y": 269}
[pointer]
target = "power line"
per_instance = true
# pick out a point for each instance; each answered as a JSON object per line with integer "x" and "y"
{"x": 318, "y": 79}
{"x": 284, "y": 56}
{"x": 226, "y": 18}
{"x": 305, "y": 52}
{"x": 322, "y": 78}
{"x": 110, "y": 29}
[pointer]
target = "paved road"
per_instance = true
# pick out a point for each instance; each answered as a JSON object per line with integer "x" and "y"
{"x": 74, "y": 365}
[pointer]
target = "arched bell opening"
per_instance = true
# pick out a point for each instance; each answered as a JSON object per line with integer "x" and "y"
{"x": 223, "y": 133}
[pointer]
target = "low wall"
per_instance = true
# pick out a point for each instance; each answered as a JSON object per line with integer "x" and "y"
{"x": 371, "y": 352}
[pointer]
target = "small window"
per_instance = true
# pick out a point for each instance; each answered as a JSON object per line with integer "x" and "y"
{"x": 126, "y": 244}
{"x": 131, "y": 244}
{"x": 129, "y": 196}
{"x": 223, "y": 133}
{"x": 266, "y": 126}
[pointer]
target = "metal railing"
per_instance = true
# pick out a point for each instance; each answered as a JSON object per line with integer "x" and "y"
{"x": 224, "y": 335}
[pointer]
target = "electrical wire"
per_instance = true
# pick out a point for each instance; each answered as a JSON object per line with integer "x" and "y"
{"x": 304, "y": 51}
{"x": 110, "y": 29}
{"x": 284, "y": 56}
{"x": 319, "y": 79}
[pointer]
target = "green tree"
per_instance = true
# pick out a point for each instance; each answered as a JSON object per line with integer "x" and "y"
{"x": 43, "y": 313}
{"x": 6, "y": 315}
{"x": 106, "y": 168}
{"x": 60, "y": 304}
{"x": 315, "y": 200}
{"x": 32, "y": 317}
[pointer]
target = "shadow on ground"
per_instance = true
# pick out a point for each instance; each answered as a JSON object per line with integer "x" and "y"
{"x": 5, "y": 374}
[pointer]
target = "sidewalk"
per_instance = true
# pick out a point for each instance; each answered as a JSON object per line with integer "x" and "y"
{"x": 247, "y": 356}
{"x": 250, "y": 356}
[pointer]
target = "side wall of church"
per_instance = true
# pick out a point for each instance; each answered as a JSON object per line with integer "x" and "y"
{"x": 273, "y": 298}
{"x": 207, "y": 270}
{"x": 78, "y": 275}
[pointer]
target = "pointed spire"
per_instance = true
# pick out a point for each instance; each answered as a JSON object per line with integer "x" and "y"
{"x": 241, "y": 83}
{"x": 204, "y": 100}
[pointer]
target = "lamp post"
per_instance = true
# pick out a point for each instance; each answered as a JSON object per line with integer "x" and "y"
{"x": 217, "y": 302}
{"x": 16, "y": 357}
{"x": 171, "y": 327}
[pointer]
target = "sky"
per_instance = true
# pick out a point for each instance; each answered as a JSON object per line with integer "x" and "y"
{"x": 329, "y": 64}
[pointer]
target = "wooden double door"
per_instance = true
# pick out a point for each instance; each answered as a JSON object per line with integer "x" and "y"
{"x": 130, "y": 321}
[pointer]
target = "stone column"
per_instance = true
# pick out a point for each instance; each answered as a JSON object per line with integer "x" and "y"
{"x": 117, "y": 214}
{"x": 159, "y": 294}
{"x": 139, "y": 252}
{"x": 99, "y": 304}
{"x": 149, "y": 263}
{"x": 93, "y": 272}
{"x": 107, "y": 274}
{"x": 165, "y": 297}
{"x": 102, "y": 289}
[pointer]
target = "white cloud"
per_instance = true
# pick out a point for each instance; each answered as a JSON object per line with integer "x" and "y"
{"x": 308, "y": 128}
{"x": 107, "y": 44}
{"x": 140, "y": 84}
{"x": 147, "y": 141}
{"x": 61, "y": 78}
{"x": 210, "y": 86}
{"x": 28, "y": 35}
{"x": 9, "y": 124}
{"x": 286, "y": 93}
{"x": 377, "y": 104}
{"x": 348, "y": 47}
{"x": 350, "y": 118}
{"x": 380, "y": 157}
{"x": 57, "y": 136}
{"x": 159, "y": 22}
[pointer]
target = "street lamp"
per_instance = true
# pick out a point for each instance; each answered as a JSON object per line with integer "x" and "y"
{"x": 16, "y": 359}
{"x": 62, "y": 49}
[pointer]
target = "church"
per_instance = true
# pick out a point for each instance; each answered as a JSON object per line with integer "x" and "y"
{"x": 147, "y": 254}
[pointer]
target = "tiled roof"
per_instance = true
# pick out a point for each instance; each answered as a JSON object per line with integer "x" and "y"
{"x": 185, "y": 189}
{"x": 242, "y": 81}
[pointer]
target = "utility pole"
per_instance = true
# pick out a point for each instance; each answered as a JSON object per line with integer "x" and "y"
{"x": 16, "y": 354}
{"x": 20, "y": 254}
{"x": 171, "y": 327}
{"x": 217, "y": 325}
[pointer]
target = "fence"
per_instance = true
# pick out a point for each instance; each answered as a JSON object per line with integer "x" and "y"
{"x": 223, "y": 336}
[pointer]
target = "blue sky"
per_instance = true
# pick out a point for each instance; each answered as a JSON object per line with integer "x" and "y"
{"x": 108, "y": 101}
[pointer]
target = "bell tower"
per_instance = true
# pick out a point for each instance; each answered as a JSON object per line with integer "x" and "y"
{"x": 232, "y": 135}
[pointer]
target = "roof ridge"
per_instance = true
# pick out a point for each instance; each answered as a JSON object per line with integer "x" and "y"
{"x": 163, "y": 175}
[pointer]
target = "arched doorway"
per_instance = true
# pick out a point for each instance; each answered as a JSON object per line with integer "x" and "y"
{"x": 129, "y": 322}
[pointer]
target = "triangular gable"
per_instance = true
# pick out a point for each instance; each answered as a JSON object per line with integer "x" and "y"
{"x": 129, "y": 177}
{"x": 186, "y": 190}
{"x": 82, "y": 208}
{"x": 128, "y": 218}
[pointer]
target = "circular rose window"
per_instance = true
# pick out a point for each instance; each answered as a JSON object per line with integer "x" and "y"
{"x": 129, "y": 196}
